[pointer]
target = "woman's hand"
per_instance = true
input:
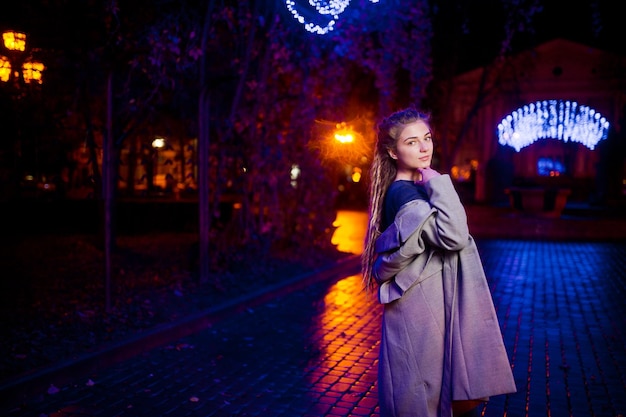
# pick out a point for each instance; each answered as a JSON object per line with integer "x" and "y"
{"x": 427, "y": 174}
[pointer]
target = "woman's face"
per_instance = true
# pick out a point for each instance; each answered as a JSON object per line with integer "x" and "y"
{"x": 414, "y": 149}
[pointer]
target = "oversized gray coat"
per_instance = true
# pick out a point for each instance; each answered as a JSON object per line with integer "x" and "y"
{"x": 441, "y": 339}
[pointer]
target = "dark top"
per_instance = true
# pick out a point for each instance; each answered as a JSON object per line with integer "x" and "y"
{"x": 399, "y": 193}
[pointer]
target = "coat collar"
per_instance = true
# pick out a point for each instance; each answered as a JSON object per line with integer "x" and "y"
{"x": 410, "y": 219}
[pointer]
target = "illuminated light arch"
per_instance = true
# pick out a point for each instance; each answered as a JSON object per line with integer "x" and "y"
{"x": 556, "y": 119}
{"x": 331, "y": 8}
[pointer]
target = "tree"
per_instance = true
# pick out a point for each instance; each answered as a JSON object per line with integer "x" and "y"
{"x": 263, "y": 84}
{"x": 260, "y": 85}
{"x": 459, "y": 25}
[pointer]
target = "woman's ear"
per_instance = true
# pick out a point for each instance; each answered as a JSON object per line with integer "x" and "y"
{"x": 392, "y": 154}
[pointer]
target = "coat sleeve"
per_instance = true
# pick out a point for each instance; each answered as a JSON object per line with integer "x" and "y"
{"x": 399, "y": 245}
{"x": 388, "y": 265}
{"x": 440, "y": 222}
{"x": 447, "y": 229}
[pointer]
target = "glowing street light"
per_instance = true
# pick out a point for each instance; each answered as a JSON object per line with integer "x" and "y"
{"x": 18, "y": 69}
{"x": 14, "y": 66}
{"x": 158, "y": 143}
{"x": 14, "y": 41}
{"x": 343, "y": 142}
{"x": 155, "y": 167}
{"x": 344, "y": 133}
{"x": 344, "y": 137}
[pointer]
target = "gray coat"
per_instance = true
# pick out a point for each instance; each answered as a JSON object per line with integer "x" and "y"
{"x": 441, "y": 339}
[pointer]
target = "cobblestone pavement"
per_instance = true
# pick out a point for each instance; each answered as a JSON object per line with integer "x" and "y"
{"x": 313, "y": 352}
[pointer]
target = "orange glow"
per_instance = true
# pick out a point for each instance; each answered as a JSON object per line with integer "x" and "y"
{"x": 344, "y": 133}
{"x": 343, "y": 143}
{"x": 5, "y": 69}
{"x": 464, "y": 173}
{"x": 33, "y": 72}
{"x": 345, "y": 335}
{"x": 344, "y": 137}
{"x": 158, "y": 143}
{"x": 14, "y": 41}
{"x": 350, "y": 233}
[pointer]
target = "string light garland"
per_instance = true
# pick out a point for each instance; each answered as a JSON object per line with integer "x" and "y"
{"x": 330, "y": 8}
{"x": 557, "y": 119}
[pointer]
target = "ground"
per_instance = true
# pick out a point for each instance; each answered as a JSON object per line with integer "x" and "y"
{"x": 53, "y": 294}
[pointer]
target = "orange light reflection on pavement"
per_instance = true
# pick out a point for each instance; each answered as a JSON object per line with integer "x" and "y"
{"x": 350, "y": 233}
{"x": 345, "y": 333}
{"x": 346, "y": 337}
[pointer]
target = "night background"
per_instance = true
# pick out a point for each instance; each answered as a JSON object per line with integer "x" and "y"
{"x": 179, "y": 153}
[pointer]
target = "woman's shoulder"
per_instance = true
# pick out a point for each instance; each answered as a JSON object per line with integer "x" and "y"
{"x": 398, "y": 194}
{"x": 402, "y": 184}
{"x": 405, "y": 190}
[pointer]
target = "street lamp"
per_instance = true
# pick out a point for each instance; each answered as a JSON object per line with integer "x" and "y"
{"x": 17, "y": 70}
{"x": 344, "y": 133}
{"x": 346, "y": 144}
{"x": 157, "y": 144}
{"x": 15, "y": 65}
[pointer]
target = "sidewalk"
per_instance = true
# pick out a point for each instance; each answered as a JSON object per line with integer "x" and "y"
{"x": 312, "y": 351}
{"x": 576, "y": 224}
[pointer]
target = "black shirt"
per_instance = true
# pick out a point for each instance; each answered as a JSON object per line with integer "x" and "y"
{"x": 399, "y": 193}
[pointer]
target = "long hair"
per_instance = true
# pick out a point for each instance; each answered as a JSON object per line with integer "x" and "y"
{"x": 382, "y": 173}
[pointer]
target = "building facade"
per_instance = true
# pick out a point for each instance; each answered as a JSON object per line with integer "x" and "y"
{"x": 548, "y": 117}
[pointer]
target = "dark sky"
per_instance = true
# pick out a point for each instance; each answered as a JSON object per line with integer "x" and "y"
{"x": 597, "y": 23}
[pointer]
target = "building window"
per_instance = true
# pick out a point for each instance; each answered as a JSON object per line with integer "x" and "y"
{"x": 550, "y": 167}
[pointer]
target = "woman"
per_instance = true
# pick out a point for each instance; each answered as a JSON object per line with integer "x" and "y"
{"x": 441, "y": 351}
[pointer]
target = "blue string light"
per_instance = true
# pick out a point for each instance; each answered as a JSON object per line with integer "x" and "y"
{"x": 556, "y": 119}
{"x": 332, "y": 8}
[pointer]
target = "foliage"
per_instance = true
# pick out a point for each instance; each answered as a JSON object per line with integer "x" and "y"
{"x": 459, "y": 27}
{"x": 288, "y": 79}
{"x": 269, "y": 83}
{"x": 392, "y": 41}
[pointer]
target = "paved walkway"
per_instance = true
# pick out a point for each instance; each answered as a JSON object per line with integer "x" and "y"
{"x": 313, "y": 352}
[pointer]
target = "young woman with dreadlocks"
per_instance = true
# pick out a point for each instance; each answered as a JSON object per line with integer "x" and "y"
{"x": 441, "y": 351}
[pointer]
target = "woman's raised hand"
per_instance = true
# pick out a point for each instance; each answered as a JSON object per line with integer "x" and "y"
{"x": 427, "y": 174}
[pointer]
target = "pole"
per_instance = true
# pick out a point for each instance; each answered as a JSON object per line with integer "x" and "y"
{"x": 203, "y": 187}
{"x": 107, "y": 168}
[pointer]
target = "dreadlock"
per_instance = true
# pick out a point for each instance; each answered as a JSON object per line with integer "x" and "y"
{"x": 382, "y": 173}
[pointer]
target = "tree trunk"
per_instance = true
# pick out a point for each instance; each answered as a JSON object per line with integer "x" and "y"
{"x": 108, "y": 186}
{"x": 204, "y": 220}
{"x": 204, "y": 212}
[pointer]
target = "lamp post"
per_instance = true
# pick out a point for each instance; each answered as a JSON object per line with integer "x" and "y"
{"x": 344, "y": 133}
{"x": 18, "y": 69}
{"x": 350, "y": 150}
{"x": 16, "y": 63}
{"x": 157, "y": 144}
